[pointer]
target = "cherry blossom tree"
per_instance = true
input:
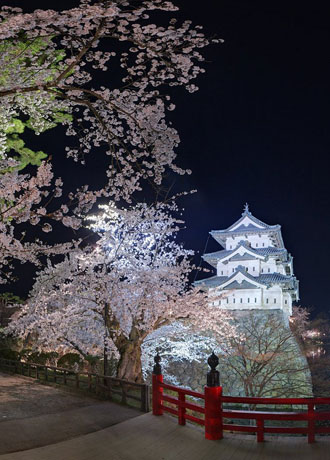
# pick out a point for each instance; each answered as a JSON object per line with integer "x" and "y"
{"x": 128, "y": 115}
{"x": 51, "y": 73}
{"x": 109, "y": 298}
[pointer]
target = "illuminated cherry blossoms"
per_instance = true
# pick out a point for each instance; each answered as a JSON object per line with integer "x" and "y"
{"x": 103, "y": 71}
{"x": 109, "y": 298}
{"x": 128, "y": 118}
{"x": 49, "y": 67}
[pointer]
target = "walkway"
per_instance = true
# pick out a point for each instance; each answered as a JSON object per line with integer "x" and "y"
{"x": 160, "y": 438}
{"x": 94, "y": 430}
{"x": 34, "y": 415}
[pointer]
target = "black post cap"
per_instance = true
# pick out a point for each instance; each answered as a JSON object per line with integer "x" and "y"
{"x": 157, "y": 370}
{"x": 213, "y": 376}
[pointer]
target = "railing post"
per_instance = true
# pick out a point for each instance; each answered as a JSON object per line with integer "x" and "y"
{"x": 97, "y": 383}
{"x": 123, "y": 393}
{"x": 311, "y": 423}
{"x": 145, "y": 397}
{"x": 260, "y": 430}
{"x": 182, "y": 409}
{"x": 156, "y": 389}
{"x": 213, "y": 404}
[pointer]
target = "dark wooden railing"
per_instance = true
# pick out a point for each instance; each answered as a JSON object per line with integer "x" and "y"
{"x": 216, "y": 418}
{"x": 112, "y": 388}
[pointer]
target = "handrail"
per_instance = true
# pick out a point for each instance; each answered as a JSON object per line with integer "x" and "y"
{"x": 61, "y": 375}
{"x": 217, "y": 416}
{"x": 182, "y": 390}
{"x": 281, "y": 401}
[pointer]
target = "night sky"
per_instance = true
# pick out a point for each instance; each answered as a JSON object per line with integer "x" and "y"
{"x": 258, "y": 129}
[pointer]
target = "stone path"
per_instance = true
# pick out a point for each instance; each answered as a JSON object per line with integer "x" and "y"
{"x": 160, "y": 438}
{"x": 34, "y": 415}
{"x": 22, "y": 397}
{"x": 86, "y": 429}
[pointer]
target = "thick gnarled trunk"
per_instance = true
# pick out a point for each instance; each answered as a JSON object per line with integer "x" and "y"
{"x": 130, "y": 364}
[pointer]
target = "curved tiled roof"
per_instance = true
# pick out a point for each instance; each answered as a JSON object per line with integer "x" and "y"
{"x": 213, "y": 257}
{"x": 274, "y": 230}
{"x": 268, "y": 279}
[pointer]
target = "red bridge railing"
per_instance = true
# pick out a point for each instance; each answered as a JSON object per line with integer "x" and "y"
{"x": 215, "y": 418}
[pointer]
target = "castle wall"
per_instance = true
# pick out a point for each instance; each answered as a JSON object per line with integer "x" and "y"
{"x": 240, "y": 299}
{"x": 256, "y": 241}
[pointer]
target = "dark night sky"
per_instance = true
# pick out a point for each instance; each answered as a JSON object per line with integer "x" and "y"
{"x": 258, "y": 129}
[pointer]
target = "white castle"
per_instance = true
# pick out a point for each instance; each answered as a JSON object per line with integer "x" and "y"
{"x": 254, "y": 271}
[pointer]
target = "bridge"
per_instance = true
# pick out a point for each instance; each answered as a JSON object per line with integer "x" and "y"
{"x": 42, "y": 422}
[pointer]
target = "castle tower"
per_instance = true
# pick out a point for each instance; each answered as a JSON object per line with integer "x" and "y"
{"x": 254, "y": 270}
{"x": 255, "y": 281}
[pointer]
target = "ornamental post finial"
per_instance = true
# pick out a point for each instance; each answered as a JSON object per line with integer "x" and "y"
{"x": 246, "y": 208}
{"x": 157, "y": 370}
{"x": 213, "y": 376}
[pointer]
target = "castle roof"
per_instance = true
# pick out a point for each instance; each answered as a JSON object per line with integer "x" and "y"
{"x": 250, "y": 254}
{"x": 249, "y": 225}
{"x": 235, "y": 281}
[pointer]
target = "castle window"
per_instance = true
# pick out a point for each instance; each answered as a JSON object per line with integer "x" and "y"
{"x": 254, "y": 268}
{"x": 241, "y": 300}
{"x": 248, "y": 299}
{"x": 233, "y": 270}
{"x": 266, "y": 300}
{"x": 227, "y": 300}
{"x": 263, "y": 244}
{"x": 262, "y": 270}
{"x": 269, "y": 270}
{"x": 256, "y": 245}
{"x": 221, "y": 272}
{"x": 286, "y": 301}
{"x": 255, "y": 300}
{"x": 233, "y": 299}
{"x": 274, "y": 300}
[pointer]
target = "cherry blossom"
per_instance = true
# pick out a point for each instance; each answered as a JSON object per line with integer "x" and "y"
{"x": 111, "y": 296}
{"x": 50, "y": 64}
{"x": 128, "y": 116}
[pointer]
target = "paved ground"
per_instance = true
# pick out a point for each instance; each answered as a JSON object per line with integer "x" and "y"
{"x": 22, "y": 397}
{"x": 160, "y": 438}
{"x": 34, "y": 415}
{"x": 86, "y": 429}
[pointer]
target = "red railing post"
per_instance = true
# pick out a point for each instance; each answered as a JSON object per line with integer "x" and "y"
{"x": 213, "y": 403}
{"x": 260, "y": 430}
{"x": 157, "y": 390}
{"x": 311, "y": 423}
{"x": 181, "y": 408}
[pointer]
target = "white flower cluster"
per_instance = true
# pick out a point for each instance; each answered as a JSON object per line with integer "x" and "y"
{"x": 128, "y": 117}
{"x": 130, "y": 283}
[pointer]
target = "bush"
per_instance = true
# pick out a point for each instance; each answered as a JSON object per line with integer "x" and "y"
{"x": 70, "y": 361}
{"x": 41, "y": 357}
{"x": 7, "y": 353}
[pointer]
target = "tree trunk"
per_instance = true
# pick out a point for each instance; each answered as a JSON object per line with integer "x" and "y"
{"x": 130, "y": 365}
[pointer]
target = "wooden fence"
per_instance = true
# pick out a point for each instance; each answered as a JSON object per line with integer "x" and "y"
{"x": 119, "y": 390}
{"x": 216, "y": 419}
